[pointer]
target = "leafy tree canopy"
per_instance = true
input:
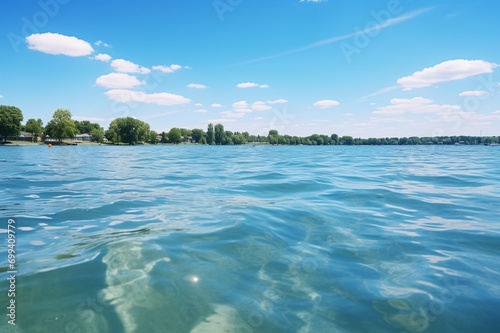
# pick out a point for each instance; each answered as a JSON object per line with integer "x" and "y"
{"x": 35, "y": 127}
{"x": 61, "y": 126}
{"x": 10, "y": 121}
{"x": 128, "y": 130}
{"x": 174, "y": 135}
{"x": 219, "y": 134}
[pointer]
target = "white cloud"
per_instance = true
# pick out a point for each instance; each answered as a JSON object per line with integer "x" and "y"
{"x": 241, "y": 107}
{"x": 168, "y": 69}
{"x": 247, "y": 85}
{"x": 197, "y": 86}
{"x": 278, "y": 101}
{"x": 53, "y": 43}
{"x": 216, "y": 105}
{"x": 124, "y": 95}
{"x": 198, "y": 104}
{"x": 118, "y": 80}
{"x": 473, "y": 93}
{"x": 230, "y": 114}
{"x": 103, "y": 57}
{"x": 326, "y": 103}
{"x": 251, "y": 85}
{"x": 1, "y": 96}
{"x": 125, "y": 66}
{"x": 260, "y": 106}
{"x": 200, "y": 110}
{"x": 446, "y": 71}
{"x": 240, "y": 104}
{"x": 415, "y": 105}
{"x": 100, "y": 42}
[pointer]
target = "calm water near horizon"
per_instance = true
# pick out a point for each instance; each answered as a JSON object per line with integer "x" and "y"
{"x": 252, "y": 238}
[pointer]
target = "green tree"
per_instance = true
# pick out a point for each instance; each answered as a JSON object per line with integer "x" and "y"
{"x": 83, "y": 126}
{"x": 153, "y": 137}
{"x": 219, "y": 134}
{"x": 128, "y": 130}
{"x": 228, "y": 138}
{"x": 347, "y": 140}
{"x": 97, "y": 134}
{"x": 10, "y": 121}
{"x": 273, "y": 137}
{"x": 239, "y": 139}
{"x": 61, "y": 126}
{"x": 185, "y": 133}
{"x": 210, "y": 134}
{"x": 197, "y": 135}
{"x": 335, "y": 139}
{"x": 35, "y": 127}
{"x": 316, "y": 139}
{"x": 174, "y": 135}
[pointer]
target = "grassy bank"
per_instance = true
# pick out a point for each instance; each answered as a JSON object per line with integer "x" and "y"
{"x": 20, "y": 143}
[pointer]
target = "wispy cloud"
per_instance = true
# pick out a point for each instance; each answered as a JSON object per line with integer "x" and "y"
{"x": 470, "y": 93}
{"x": 196, "y": 86}
{"x": 450, "y": 70}
{"x": 168, "y": 69}
{"x": 125, "y": 66}
{"x": 377, "y": 27}
{"x": 414, "y": 105}
{"x": 326, "y": 103}
{"x": 100, "y": 42}
{"x": 380, "y": 92}
{"x": 244, "y": 85}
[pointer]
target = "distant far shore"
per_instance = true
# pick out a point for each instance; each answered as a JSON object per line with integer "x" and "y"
{"x": 14, "y": 143}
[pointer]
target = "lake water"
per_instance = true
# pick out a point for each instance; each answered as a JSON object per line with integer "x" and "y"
{"x": 252, "y": 238}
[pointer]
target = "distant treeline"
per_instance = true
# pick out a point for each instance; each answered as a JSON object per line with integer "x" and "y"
{"x": 130, "y": 130}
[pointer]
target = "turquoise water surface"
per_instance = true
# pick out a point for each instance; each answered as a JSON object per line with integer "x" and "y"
{"x": 252, "y": 238}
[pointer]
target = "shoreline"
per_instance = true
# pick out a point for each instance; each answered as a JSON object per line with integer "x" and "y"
{"x": 67, "y": 144}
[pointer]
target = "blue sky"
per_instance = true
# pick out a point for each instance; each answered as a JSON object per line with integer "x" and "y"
{"x": 360, "y": 68}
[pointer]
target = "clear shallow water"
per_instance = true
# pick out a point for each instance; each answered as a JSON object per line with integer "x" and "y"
{"x": 253, "y": 239}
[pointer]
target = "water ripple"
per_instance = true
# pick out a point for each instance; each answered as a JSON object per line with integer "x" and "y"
{"x": 254, "y": 239}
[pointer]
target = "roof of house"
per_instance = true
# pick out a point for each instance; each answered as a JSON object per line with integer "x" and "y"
{"x": 25, "y": 134}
